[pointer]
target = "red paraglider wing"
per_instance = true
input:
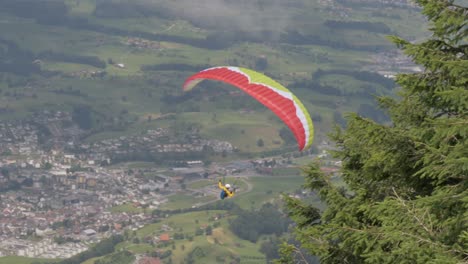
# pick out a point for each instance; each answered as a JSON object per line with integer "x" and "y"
{"x": 268, "y": 92}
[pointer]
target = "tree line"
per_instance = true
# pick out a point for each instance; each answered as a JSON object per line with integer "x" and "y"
{"x": 71, "y": 58}
{"x": 16, "y": 60}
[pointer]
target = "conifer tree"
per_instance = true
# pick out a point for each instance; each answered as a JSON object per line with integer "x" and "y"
{"x": 406, "y": 195}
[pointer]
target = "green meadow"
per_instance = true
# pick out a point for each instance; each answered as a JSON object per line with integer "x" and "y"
{"x": 182, "y": 200}
{"x": 268, "y": 189}
{"x": 24, "y": 260}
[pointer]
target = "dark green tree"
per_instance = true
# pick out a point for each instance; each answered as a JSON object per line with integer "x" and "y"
{"x": 270, "y": 248}
{"x": 82, "y": 115}
{"x": 5, "y": 172}
{"x": 208, "y": 231}
{"x": 260, "y": 143}
{"x": 406, "y": 183}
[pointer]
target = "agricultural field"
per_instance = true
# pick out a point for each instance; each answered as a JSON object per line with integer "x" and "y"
{"x": 268, "y": 189}
{"x": 181, "y": 200}
{"x": 24, "y": 260}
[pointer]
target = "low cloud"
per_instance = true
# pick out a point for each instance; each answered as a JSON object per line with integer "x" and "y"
{"x": 246, "y": 15}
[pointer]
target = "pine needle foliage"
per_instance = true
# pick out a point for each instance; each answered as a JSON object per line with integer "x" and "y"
{"x": 406, "y": 199}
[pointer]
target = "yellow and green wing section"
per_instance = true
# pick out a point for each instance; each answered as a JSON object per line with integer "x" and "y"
{"x": 268, "y": 92}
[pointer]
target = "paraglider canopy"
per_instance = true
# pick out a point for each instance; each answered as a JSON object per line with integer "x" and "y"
{"x": 268, "y": 92}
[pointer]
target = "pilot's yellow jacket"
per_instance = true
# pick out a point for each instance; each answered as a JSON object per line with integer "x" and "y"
{"x": 222, "y": 187}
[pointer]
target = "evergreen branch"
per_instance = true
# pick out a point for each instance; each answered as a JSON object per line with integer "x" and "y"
{"x": 299, "y": 252}
{"x": 449, "y": 47}
{"x": 420, "y": 222}
{"x": 447, "y": 114}
{"x": 419, "y": 239}
{"x": 465, "y": 9}
{"x": 457, "y": 123}
{"x": 425, "y": 240}
{"x": 429, "y": 148}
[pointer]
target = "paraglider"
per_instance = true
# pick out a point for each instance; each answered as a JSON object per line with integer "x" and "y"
{"x": 227, "y": 190}
{"x": 268, "y": 92}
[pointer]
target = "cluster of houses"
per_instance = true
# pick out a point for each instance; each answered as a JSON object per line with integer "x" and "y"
{"x": 46, "y": 248}
{"x": 23, "y": 137}
{"x": 17, "y": 138}
{"x": 389, "y": 63}
{"x": 87, "y": 74}
{"x": 62, "y": 208}
{"x": 143, "y": 43}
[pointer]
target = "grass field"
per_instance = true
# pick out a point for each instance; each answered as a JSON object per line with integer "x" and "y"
{"x": 201, "y": 183}
{"x": 92, "y": 260}
{"x": 138, "y": 165}
{"x": 24, "y": 260}
{"x": 181, "y": 200}
{"x": 287, "y": 171}
{"x": 303, "y": 161}
{"x": 242, "y": 130}
{"x": 268, "y": 189}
